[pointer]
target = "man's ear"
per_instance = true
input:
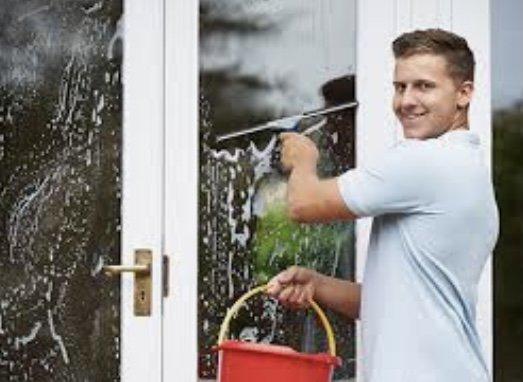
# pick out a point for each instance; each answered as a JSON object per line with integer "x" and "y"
{"x": 465, "y": 91}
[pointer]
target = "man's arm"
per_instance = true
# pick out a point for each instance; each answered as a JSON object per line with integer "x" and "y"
{"x": 297, "y": 285}
{"x": 309, "y": 198}
{"x": 342, "y": 296}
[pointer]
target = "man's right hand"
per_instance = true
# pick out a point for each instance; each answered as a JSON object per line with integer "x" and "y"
{"x": 294, "y": 287}
{"x": 298, "y": 150}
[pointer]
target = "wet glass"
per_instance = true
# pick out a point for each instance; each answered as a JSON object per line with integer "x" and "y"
{"x": 60, "y": 183}
{"x": 261, "y": 61}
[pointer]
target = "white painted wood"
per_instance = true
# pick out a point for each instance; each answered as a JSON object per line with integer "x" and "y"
{"x": 445, "y": 14}
{"x": 425, "y": 14}
{"x": 403, "y": 16}
{"x": 375, "y": 122}
{"x": 181, "y": 204}
{"x": 421, "y": 14}
{"x": 471, "y": 19}
{"x": 142, "y": 181}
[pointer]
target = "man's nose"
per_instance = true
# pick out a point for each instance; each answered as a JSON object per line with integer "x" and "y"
{"x": 409, "y": 98}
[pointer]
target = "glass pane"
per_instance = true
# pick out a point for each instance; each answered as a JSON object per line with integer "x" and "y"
{"x": 60, "y": 137}
{"x": 260, "y": 61}
{"x": 507, "y": 96}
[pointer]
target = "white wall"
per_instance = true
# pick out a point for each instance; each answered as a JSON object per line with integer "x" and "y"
{"x": 379, "y": 22}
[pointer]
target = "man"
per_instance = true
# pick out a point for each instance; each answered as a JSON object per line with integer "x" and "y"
{"x": 435, "y": 224}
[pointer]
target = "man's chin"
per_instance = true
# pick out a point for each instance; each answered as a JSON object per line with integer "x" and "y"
{"x": 421, "y": 134}
{"x": 413, "y": 133}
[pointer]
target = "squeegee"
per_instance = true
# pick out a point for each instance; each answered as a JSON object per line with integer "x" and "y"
{"x": 288, "y": 123}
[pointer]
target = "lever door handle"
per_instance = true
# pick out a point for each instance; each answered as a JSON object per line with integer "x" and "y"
{"x": 142, "y": 270}
{"x": 113, "y": 270}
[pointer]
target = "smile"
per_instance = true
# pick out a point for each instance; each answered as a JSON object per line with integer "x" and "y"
{"x": 413, "y": 116}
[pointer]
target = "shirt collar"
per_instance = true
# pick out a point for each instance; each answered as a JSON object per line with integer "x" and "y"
{"x": 461, "y": 136}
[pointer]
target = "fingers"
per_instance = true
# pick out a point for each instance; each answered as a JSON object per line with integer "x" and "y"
{"x": 305, "y": 296}
{"x": 290, "y": 296}
{"x": 303, "y": 299}
{"x": 274, "y": 287}
{"x": 297, "y": 150}
{"x": 278, "y": 282}
{"x": 286, "y": 140}
{"x": 289, "y": 135}
{"x": 289, "y": 275}
{"x": 293, "y": 287}
{"x": 294, "y": 297}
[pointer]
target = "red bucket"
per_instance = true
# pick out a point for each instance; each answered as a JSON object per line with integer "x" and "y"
{"x": 251, "y": 362}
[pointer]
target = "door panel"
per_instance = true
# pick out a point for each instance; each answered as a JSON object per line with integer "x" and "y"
{"x": 60, "y": 185}
{"x": 72, "y": 198}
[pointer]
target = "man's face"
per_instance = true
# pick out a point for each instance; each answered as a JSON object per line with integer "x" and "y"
{"x": 426, "y": 99}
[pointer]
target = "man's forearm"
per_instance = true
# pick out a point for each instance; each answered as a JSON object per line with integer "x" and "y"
{"x": 314, "y": 200}
{"x": 302, "y": 194}
{"x": 342, "y": 296}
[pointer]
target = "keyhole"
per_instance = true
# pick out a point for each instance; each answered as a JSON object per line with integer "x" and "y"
{"x": 142, "y": 295}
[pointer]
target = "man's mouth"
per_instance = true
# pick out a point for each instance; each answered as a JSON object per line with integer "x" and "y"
{"x": 412, "y": 116}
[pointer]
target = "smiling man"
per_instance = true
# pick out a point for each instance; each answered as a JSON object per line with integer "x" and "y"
{"x": 435, "y": 223}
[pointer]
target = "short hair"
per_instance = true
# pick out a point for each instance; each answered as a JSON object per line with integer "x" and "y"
{"x": 453, "y": 48}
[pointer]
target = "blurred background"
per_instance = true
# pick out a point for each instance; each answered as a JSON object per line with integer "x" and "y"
{"x": 507, "y": 102}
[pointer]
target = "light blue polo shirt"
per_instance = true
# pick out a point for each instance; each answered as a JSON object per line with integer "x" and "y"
{"x": 436, "y": 223}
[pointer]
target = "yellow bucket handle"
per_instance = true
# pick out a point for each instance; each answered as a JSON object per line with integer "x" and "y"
{"x": 326, "y": 325}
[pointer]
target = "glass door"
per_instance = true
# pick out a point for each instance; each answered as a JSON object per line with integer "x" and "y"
{"x": 80, "y": 185}
{"x": 234, "y": 65}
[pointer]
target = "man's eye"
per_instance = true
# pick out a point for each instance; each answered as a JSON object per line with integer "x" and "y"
{"x": 425, "y": 86}
{"x": 399, "y": 88}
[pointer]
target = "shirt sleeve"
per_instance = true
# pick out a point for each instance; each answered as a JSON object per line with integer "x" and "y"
{"x": 398, "y": 183}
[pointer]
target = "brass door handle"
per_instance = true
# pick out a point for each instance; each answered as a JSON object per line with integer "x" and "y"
{"x": 113, "y": 270}
{"x": 142, "y": 270}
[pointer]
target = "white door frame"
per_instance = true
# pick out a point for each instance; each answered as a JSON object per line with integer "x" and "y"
{"x": 181, "y": 181}
{"x": 142, "y": 193}
{"x": 378, "y": 22}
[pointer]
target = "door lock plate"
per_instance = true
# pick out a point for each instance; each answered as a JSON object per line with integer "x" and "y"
{"x": 143, "y": 283}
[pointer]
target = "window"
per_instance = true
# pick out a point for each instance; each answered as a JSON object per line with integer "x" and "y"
{"x": 261, "y": 61}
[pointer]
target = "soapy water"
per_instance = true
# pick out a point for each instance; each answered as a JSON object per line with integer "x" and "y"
{"x": 238, "y": 188}
{"x": 261, "y": 61}
{"x": 59, "y": 191}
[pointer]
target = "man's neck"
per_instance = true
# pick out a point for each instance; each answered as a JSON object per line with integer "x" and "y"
{"x": 460, "y": 122}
